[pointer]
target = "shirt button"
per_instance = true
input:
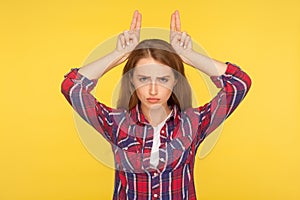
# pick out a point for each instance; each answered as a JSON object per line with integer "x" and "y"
{"x": 162, "y": 159}
{"x": 155, "y": 195}
{"x": 162, "y": 131}
{"x": 155, "y": 174}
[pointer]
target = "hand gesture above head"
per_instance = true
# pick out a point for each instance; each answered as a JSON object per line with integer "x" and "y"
{"x": 128, "y": 40}
{"x": 180, "y": 41}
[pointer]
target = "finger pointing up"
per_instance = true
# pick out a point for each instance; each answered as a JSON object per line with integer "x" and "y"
{"x": 136, "y": 21}
{"x": 175, "y": 22}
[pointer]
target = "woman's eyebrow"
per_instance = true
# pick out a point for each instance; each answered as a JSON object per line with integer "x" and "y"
{"x": 163, "y": 76}
{"x": 166, "y": 76}
{"x": 142, "y": 75}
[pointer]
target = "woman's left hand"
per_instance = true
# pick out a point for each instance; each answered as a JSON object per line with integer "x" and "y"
{"x": 180, "y": 41}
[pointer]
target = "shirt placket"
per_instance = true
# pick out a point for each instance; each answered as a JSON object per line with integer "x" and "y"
{"x": 147, "y": 144}
{"x": 154, "y": 173}
{"x": 155, "y": 185}
{"x": 155, "y": 176}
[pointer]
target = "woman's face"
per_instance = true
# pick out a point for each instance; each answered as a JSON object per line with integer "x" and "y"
{"x": 153, "y": 83}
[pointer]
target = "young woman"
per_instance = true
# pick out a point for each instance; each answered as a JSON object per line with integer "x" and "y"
{"x": 154, "y": 131}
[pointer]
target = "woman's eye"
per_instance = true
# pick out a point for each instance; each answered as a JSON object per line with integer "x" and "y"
{"x": 143, "y": 79}
{"x": 164, "y": 80}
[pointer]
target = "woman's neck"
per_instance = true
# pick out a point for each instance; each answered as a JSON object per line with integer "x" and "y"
{"x": 156, "y": 114}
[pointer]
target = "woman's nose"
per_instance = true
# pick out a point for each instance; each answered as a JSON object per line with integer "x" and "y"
{"x": 153, "y": 89}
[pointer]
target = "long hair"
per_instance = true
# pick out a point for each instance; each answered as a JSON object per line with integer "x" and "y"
{"x": 161, "y": 51}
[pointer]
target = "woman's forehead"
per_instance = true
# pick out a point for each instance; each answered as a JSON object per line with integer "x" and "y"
{"x": 153, "y": 69}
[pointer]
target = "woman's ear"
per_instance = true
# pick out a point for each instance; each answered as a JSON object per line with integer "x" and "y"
{"x": 131, "y": 80}
{"x": 131, "y": 84}
{"x": 175, "y": 82}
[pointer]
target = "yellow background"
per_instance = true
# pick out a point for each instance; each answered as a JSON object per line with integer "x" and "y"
{"x": 42, "y": 157}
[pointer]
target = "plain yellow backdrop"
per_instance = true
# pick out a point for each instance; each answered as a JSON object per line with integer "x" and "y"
{"x": 42, "y": 156}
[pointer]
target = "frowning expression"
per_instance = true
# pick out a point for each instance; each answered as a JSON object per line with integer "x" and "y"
{"x": 153, "y": 82}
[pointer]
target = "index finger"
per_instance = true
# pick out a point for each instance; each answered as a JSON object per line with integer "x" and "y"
{"x": 172, "y": 24}
{"x": 139, "y": 21}
{"x": 136, "y": 21}
{"x": 177, "y": 21}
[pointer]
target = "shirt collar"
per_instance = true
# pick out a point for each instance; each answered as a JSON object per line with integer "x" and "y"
{"x": 137, "y": 116}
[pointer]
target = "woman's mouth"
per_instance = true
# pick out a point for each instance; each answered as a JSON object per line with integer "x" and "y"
{"x": 153, "y": 100}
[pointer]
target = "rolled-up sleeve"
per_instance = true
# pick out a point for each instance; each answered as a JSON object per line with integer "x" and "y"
{"x": 77, "y": 88}
{"x": 234, "y": 84}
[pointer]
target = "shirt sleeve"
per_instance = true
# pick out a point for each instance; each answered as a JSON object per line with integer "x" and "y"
{"x": 234, "y": 84}
{"x": 77, "y": 88}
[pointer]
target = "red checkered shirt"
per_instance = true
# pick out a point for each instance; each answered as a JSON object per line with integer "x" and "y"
{"x": 131, "y": 136}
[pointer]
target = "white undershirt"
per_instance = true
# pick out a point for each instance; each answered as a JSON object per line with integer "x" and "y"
{"x": 154, "y": 158}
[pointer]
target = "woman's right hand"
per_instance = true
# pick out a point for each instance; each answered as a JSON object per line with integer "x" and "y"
{"x": 126, "y": 42}
{"x": 129, "y": 39}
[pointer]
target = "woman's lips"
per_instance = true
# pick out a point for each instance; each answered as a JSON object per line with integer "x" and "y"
{"x": 153, "y": 100}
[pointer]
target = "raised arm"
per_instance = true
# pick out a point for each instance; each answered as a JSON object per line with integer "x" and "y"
{"x": 182, "y": 43}
{"x": 127, "y": 41}
{"x": 233, "y": 82}
{"x": 79, "y": 82}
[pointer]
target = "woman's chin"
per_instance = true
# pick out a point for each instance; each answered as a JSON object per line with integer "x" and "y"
{"x": 156, "y": 106}
{"x": 153, "y": 106}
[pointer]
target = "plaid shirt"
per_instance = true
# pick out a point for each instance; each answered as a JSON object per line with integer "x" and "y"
{"x": 131, "y": 136}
